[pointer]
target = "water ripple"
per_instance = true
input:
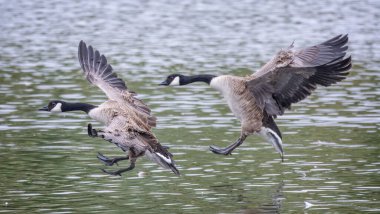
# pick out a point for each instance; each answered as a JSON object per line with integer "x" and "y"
{"x": 49, "y": 164}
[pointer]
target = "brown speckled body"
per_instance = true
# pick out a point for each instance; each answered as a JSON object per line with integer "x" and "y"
{"x": 241, "y": 102}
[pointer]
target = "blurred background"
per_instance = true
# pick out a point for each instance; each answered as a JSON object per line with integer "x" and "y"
{"x": 48, "y": 163}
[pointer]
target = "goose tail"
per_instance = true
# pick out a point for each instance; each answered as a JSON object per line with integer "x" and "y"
{"x": 273, "y": 138}
{"x": 164, "y": 160}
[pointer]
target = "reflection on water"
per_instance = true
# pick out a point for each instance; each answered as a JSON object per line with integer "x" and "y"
{"x": 49, "y": 165}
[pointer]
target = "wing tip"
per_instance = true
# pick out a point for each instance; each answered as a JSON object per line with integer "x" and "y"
{"x": 82, "y": 45}
{"x": 81, "y": 55}
{"x": 337, "y": 41}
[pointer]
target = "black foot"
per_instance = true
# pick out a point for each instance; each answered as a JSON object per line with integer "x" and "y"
{"x": 112, "y": 172}
{"x": 110, "y": 161}
{"x": 91, "y": 132}
{"x": 118, "y": 172}
{"x": 220, "y": 151}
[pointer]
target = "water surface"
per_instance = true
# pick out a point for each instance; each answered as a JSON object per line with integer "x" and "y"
{"x": 49, "y": 165}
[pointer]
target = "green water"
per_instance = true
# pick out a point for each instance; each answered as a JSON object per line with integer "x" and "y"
{"x": 48, "y": 163}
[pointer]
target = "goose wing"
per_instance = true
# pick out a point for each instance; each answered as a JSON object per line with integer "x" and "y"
{"x": 98, "y": 72}
{"x": 292, "y": 75}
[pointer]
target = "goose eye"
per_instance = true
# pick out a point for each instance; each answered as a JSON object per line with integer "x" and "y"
{"x": 52, "y": 104}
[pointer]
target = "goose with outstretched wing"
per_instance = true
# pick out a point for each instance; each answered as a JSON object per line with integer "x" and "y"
{"x": 289, "y": 77}
{"x": 128, "y": 120}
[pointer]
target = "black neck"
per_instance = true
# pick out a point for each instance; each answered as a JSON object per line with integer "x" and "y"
{"x": 196, "y": 78}
{"x": 77, "y": 107}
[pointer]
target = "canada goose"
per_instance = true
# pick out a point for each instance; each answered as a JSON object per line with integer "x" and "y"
{"x": 128, "y": 120}
{"x": 287, "y": 78}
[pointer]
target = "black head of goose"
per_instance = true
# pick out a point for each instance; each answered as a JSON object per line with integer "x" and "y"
{"x": 128, "y": 120}
{"x": 289, "y": 77}
{"x": 62, "y": 106}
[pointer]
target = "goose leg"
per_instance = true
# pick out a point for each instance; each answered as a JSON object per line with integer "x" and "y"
{"x": 228, "y": 150}
{"x": 120, "y": 171}
{"x": 110, "y": 161}
{"x": 107, "y": 161}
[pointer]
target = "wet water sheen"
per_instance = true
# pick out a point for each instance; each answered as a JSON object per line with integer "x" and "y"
{"x": 48, "y": 163}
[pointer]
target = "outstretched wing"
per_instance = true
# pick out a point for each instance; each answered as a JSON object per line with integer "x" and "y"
{"x": 292, "y": 75}
{"x": 98, "y": 72}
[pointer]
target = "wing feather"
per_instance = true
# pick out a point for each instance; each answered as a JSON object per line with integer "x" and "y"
{"x": 98, "y": 72}
{"x": 291, "y": 76}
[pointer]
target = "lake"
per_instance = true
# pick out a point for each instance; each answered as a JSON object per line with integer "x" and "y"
{"x": 49, "y": 165}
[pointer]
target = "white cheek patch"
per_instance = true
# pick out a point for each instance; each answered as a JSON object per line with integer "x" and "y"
{"x": 219, "y": 83}
{"x": 175, "y": 81}
{"x": 57, "y": 108}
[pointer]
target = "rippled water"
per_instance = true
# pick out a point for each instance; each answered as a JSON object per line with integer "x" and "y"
{"x": 49, "y": 165}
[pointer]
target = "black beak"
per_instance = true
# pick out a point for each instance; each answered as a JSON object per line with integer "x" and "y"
{"x": 45, "y": 108}
{"x": 165, "y": 82}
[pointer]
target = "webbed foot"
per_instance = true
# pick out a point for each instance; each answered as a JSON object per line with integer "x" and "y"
{"x": 221, "y": 151}
{"x": 112, "y": 172}
{"x": 120, "y": 171}
{"x": 110, "y": 161}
